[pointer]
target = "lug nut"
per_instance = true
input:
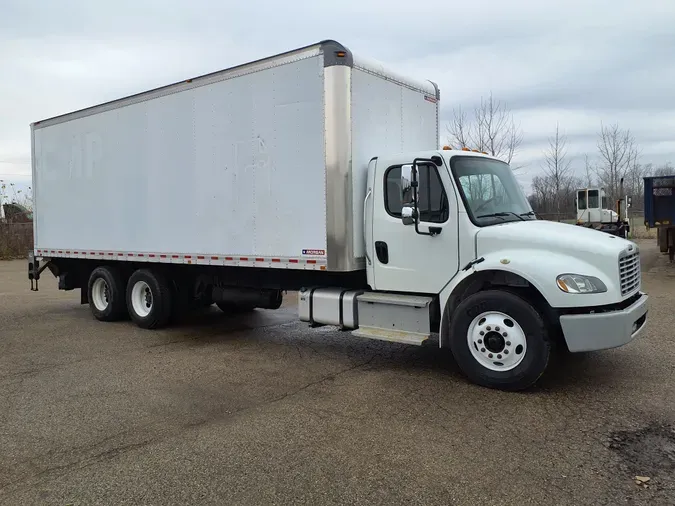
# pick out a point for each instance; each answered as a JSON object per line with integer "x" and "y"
{"x": 489, "y": 328}
{"x": 506, "y": 352}
{"x": 499, "y": 356}
{"x": 497, "y": 329}
{"x": 490, "y": 355}
{"x": 504, "y": 334}
{"x": 482, "y": 350}
{"x": 482, "y": 333}
{"x": 480, "y": 341}
{"x": 508, "y": 343}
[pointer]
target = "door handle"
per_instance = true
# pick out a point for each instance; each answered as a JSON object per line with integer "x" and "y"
{"x": 382, "y": 252}
{"x": 435, "y": 230}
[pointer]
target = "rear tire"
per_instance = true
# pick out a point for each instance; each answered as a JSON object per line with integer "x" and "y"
{"x": 105, "y": 291}
{"x": 148, "y": 298}
{"x": 499, "y": 340}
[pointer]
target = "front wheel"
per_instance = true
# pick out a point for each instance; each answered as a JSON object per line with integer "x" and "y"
{"x": 499, "y": 340}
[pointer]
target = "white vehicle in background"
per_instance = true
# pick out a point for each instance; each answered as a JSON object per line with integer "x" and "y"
{"x": 320, "y": 172}
{"x": 593, "y": 212}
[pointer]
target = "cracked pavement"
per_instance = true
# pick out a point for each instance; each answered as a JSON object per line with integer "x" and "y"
{"x": 263, "y": 410}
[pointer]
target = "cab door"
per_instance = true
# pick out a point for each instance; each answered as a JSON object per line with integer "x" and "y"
{"x": 405, "y": 259}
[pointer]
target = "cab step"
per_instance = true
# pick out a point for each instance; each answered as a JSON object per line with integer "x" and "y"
{"x": 394, "y": 317}
{"x": 395, "y": 336}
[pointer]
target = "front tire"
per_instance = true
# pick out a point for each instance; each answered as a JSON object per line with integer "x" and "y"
{"x": 149, "y": 299}
{"x": 499, "y": 340}
{"x": 105, "y": 291}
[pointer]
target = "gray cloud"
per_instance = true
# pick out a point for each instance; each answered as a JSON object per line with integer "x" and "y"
{"x": 577, "y": 62}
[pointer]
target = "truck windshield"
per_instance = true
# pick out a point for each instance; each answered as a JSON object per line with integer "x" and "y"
{"x": 489, "y": 190}
{"x": 593, "y": 199}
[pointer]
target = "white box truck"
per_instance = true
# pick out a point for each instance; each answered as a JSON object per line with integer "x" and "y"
{"x": 320, "y": 172}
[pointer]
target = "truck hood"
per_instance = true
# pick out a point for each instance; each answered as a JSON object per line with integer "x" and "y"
{"x": 589, "y": 245}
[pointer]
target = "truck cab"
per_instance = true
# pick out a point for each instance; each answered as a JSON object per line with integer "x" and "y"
{"x": 591, "y": 206}
{"x": 453, "y": 231}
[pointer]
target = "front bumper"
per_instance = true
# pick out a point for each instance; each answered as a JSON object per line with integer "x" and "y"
{"x": 604, "y": 330}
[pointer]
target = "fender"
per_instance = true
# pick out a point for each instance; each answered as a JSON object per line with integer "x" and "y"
{"x": 538, "y": 268}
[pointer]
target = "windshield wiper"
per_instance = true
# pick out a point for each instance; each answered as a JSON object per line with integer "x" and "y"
{"x": 529, "y": 213}
{"x": 501, "y": 214}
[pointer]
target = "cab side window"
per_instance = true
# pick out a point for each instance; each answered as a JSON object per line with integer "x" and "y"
{"x": 432, "y": 202}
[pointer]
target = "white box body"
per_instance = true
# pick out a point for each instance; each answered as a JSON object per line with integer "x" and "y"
{"x": 261, "y": 165}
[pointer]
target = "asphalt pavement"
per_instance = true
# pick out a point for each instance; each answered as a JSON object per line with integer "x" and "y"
{"x": 261, "y": 409}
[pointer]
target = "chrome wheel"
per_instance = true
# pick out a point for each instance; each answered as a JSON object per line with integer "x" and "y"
{"x": 496, "y": 341}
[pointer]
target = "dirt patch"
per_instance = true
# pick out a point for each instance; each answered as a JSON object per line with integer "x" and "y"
{"x": 648, "y": 452}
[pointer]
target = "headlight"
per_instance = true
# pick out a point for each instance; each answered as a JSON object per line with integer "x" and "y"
{"x": 576, "y": 283}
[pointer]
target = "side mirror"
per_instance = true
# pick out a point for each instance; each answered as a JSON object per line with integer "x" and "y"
{"x": 408, "y": 215}
{"x": 407, "y": 195}
{"x": 406, "y": 185}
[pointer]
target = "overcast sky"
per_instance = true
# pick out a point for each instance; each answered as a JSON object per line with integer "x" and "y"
{"x": 573, "y": 62}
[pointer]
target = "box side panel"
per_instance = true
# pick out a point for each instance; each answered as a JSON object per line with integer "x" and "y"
{"x": 195, "y": 82}
{"x": 387, "y": 117}
{"x": 234, "y": 167}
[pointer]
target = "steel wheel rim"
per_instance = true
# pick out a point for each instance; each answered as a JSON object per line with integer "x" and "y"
{"x": 100, "y": 294}
{"x": 496, "y": 341}
{"x": 141, "y": 298}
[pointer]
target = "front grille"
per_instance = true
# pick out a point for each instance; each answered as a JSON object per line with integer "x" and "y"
{"x": 629, "y": 272}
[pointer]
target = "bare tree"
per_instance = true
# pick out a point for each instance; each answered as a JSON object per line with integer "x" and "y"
{"x": 618, "y": 153}
{"x": 557, "y": 167}
{"x": 540, "y": 199}
{"x": 589, "y": 170}
{"x": 551, "y": 205}
{"x": 459, "y": 127}
{"x": 634, "y": 181}
{"x": 491, "y": 129}
{"x": 664, "y": 170}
